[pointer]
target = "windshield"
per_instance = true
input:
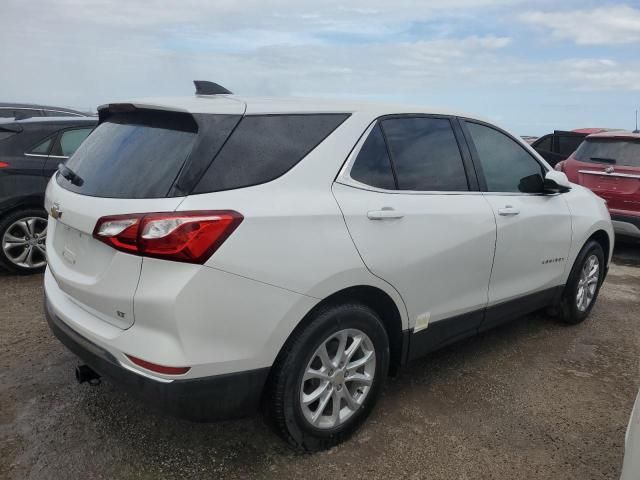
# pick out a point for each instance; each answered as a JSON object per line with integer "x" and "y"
{"x": 610, "y": 151}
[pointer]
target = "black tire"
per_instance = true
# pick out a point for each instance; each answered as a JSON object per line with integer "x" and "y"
{"x": 5, "y": 224}
{"x": 283, "y": 407}
{"x": 568, "y": 310}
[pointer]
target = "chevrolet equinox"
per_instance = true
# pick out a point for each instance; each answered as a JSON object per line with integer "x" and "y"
{"x": 221, "y": 254}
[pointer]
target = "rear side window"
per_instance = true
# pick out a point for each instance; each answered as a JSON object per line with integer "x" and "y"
{"x": 612, "y": 152}
{"x": 425, "y": 154}
{"x": 43, "y": 147}
{"x": 373, "y": 165}
{"x": 264, "y": 147}
{"x": 69, "y": 141}
{"x": 132, "y": 155}
{"x": 506, "y": 165}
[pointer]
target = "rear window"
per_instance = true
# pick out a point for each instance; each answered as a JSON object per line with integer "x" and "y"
{"x": 133, "y": 155}
{"x": 610, "y": 151}
{"x": 264, "y": 147}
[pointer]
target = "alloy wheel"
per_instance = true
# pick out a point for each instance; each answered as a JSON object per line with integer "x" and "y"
{"x": 24, "y": 242}
{"x": 338, "y": 378}
{"x": 588, "y": 283}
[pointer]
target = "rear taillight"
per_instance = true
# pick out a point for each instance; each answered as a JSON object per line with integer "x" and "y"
{"x": 4, "y": 164}
{"x": 179, "y": 236}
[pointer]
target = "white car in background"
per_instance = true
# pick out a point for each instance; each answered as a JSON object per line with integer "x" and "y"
{"x": 221, "y": 253}
{"x": 631, "y": 464}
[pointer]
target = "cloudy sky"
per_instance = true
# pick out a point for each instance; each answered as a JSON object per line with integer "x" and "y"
{"x": 531, "y": 66}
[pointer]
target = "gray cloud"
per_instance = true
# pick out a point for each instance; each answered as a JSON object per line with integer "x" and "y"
{"x": 608, "y": 25}
{"x": 80, "y": 53}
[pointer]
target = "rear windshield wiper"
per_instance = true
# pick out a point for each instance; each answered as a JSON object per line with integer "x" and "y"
{"x": 603, "y": 160}
{"x": 70, "y": 175}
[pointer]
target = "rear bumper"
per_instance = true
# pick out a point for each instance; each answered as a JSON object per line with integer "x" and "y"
{"x": 224, "y": 396}
{"x": 626, "y": 225}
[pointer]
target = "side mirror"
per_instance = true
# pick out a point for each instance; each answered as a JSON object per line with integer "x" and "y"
{"x": 556, "y": 182}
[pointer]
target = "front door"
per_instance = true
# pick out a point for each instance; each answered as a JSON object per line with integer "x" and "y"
{"x": 533, "y": 229}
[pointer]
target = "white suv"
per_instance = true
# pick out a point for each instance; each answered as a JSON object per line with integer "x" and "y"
{"x": 220, "y": 254}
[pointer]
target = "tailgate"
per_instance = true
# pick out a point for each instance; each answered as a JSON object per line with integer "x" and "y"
{"x": 96, "y": 277}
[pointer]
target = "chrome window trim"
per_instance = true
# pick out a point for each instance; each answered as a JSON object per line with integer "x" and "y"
{"x": 66, "y": 113}
{"x": 605, "y": 174}
{"x": 42, "y": 110}
{"x": 45, "y": 155}
{"x": 21, "y": 108}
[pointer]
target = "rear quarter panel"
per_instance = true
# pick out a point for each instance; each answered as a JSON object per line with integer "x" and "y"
{"x": 293, "y": 235}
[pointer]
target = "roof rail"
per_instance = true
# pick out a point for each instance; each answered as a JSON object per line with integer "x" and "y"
{"x": 203, "y": 87}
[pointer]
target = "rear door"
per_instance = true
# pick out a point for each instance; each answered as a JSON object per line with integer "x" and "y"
{"x": 417, "y": 222}
{"x": 533, "y": 229}
{"x": 128, "y": 165}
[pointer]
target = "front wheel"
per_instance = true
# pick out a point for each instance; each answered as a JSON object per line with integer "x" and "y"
{"x": 328, "y": 378}
{"x": 583, "y": 285}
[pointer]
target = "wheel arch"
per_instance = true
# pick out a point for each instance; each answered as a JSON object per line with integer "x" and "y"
{"x": 380, "y": 302}
{"x": 602, "y": 237}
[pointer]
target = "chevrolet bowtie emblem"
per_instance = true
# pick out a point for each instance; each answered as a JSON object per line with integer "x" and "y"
{"x": 55, "y": 211}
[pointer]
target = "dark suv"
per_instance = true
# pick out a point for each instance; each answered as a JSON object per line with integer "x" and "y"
{"x": 30, "y": 151}
{"x": 557, "y": 146}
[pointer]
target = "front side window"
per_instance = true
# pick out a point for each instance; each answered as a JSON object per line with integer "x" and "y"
{"x": 373, "y": 165}
{"x": 70, "y": 140}
{"x": 507, "y": 166}
{"x": 425, "y": 154}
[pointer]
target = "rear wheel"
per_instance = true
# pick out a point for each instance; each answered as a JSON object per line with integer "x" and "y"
{"x": 23, "y": 235}
{"x": 584, "y": 282}
{"x": 328, "y": 378}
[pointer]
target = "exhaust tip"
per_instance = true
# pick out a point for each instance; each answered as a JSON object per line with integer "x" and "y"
{"x": 85, "y": 373}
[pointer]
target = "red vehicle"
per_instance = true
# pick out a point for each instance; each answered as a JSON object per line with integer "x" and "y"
{"x": 608, "y": 163}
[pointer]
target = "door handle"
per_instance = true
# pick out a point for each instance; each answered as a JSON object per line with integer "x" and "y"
{"x": 386, "y": 213}
{"x": 508, "y": 210}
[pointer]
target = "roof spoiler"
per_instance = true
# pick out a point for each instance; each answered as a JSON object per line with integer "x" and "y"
{"x": 203, "y": 87}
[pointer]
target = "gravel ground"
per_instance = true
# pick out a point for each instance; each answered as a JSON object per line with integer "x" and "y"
{"x": 531, "y": 399}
